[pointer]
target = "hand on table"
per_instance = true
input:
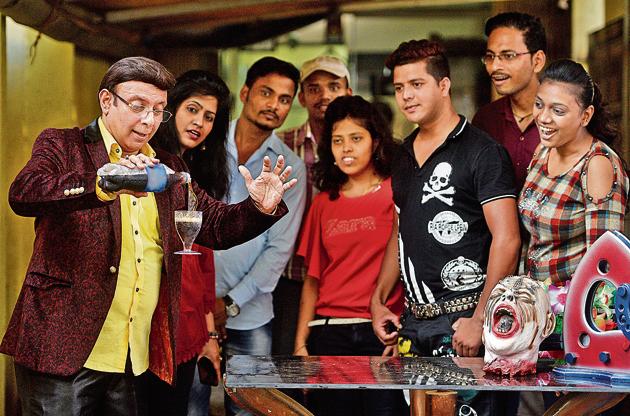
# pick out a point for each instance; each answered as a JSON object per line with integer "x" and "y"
{"x": 467, "y": 336}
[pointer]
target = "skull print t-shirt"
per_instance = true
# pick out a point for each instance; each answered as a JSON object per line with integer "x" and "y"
{"x": 443, "y": 237}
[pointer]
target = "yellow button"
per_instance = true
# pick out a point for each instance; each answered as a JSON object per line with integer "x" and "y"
{"x": 112, "y": 269}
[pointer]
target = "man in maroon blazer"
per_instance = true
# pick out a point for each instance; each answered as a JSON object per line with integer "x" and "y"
{"x": 73, "y": 313}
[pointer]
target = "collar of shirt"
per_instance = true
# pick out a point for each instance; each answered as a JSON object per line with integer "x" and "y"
{"x": 113, "y": 148}
{"x": 272, "y": 146}
{"x": 508, "y": 114}
{"x": 459, "y": 128}
{"x": 304, "y": 132}
{"x": 272, "y": 143}
{"x": 296, "y": 138}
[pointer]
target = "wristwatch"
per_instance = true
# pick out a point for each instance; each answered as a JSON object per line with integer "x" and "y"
{"x": 231, "y": 308}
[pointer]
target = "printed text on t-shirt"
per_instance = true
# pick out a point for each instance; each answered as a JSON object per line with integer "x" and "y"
{"x": 335, "y": 226}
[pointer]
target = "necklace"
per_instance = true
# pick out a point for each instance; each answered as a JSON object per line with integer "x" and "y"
{"x": 520, "y": 119}
{"x": 374, "y": 186}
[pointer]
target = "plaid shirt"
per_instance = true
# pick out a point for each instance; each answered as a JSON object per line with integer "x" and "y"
{"x": 303, "y": 144}
{"x": 563, "y": 220}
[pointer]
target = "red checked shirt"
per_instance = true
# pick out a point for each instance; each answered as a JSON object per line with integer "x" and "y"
{"x": 303, "y": 144}
{"x": 563, "y": 220}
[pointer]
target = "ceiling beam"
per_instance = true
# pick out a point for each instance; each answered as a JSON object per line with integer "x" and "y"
{"x": 144, "y": 13}
{"x": 228, "y": 36}
{"x": 85, "y": 30}
{"x": 385, "y": 5}
{"x": 206, "y": 23}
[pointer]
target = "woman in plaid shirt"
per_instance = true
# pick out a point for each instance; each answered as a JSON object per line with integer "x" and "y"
{"x": 577, "y": 186}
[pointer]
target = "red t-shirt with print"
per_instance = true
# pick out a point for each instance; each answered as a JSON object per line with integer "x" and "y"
{"x": 343, "y": 244}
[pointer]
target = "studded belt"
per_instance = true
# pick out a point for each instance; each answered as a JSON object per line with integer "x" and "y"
{"x": 431, "y": 310}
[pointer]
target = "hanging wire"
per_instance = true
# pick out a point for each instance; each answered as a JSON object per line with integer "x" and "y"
{"x": 32, "y": 51}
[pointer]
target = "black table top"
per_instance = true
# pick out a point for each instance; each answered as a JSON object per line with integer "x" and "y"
{"x": 389, "y": 373}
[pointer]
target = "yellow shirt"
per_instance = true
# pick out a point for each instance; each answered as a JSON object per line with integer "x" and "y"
{"x": 128, "y": 321}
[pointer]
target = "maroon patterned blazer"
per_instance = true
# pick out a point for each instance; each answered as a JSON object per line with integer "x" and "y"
{"x": 71, "y": 278}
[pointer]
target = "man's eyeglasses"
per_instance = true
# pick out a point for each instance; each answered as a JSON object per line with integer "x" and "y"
{"x": 488, "y": 58}
{"x": 162, "y": 115}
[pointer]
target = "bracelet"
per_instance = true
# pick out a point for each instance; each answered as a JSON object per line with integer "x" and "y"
{"x": 299, "y": 348}
{"x": 213, "y": 335}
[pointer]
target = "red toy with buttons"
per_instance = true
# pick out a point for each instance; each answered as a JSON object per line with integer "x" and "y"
{"x": 596, "y": 318}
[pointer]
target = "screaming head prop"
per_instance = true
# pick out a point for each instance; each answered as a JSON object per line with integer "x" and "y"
{"x": 518, "y": 317}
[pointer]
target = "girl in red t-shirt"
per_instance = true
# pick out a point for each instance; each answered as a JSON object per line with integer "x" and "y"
{"x": 343, "y": 244}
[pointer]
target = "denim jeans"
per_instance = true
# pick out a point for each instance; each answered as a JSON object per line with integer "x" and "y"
{"x": 249, "y": 342}
{"x": 252, "y": 342}
{"x": 198, "y": 398}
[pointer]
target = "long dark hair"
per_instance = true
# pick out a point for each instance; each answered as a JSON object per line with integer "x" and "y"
{"x": 327, "y": 175}
{"x": 208, "y": 161}
{"x": 601, "y": 125}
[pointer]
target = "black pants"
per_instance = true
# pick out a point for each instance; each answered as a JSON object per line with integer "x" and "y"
{"x": 434, "y": 338}
{"x": 156, "y": 397}
{"x": 286, "y": 307}
{"x": 345, "y": 340}
{"x": 88, "y": 392}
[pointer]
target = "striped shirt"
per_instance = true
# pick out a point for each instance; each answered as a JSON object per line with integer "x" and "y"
{"x": 562, "y": 218}
{"x": 303, "y": 144}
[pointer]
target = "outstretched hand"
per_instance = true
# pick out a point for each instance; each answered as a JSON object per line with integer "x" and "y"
{"x": 267, "y": 189}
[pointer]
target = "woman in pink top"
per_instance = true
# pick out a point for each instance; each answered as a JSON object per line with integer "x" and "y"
{"x": 343, "y": 244}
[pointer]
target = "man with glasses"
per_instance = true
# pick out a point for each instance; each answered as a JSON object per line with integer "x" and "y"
{"x": 103, "y": 283}
{"x": 515, "y": 54}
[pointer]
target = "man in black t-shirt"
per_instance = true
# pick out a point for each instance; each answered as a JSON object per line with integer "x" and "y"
{"x": 457, "y": 233}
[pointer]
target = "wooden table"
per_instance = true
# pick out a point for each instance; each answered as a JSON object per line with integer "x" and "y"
{"x": 252, "y": 381}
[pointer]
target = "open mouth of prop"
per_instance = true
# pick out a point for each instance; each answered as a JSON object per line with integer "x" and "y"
{"x": 504, "y": 322}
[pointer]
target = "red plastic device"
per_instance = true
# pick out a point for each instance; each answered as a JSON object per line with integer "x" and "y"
{"x": 594, "y": 355}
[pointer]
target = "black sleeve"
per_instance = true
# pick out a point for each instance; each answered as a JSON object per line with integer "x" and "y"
{"x": 494, "y": 174}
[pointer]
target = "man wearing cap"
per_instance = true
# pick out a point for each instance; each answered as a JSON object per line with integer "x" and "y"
{"x": 322, "y": 79}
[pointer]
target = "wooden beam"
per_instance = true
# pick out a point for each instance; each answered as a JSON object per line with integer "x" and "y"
{"x": 185, "y": 9}
{"x": 208, "y": 24}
